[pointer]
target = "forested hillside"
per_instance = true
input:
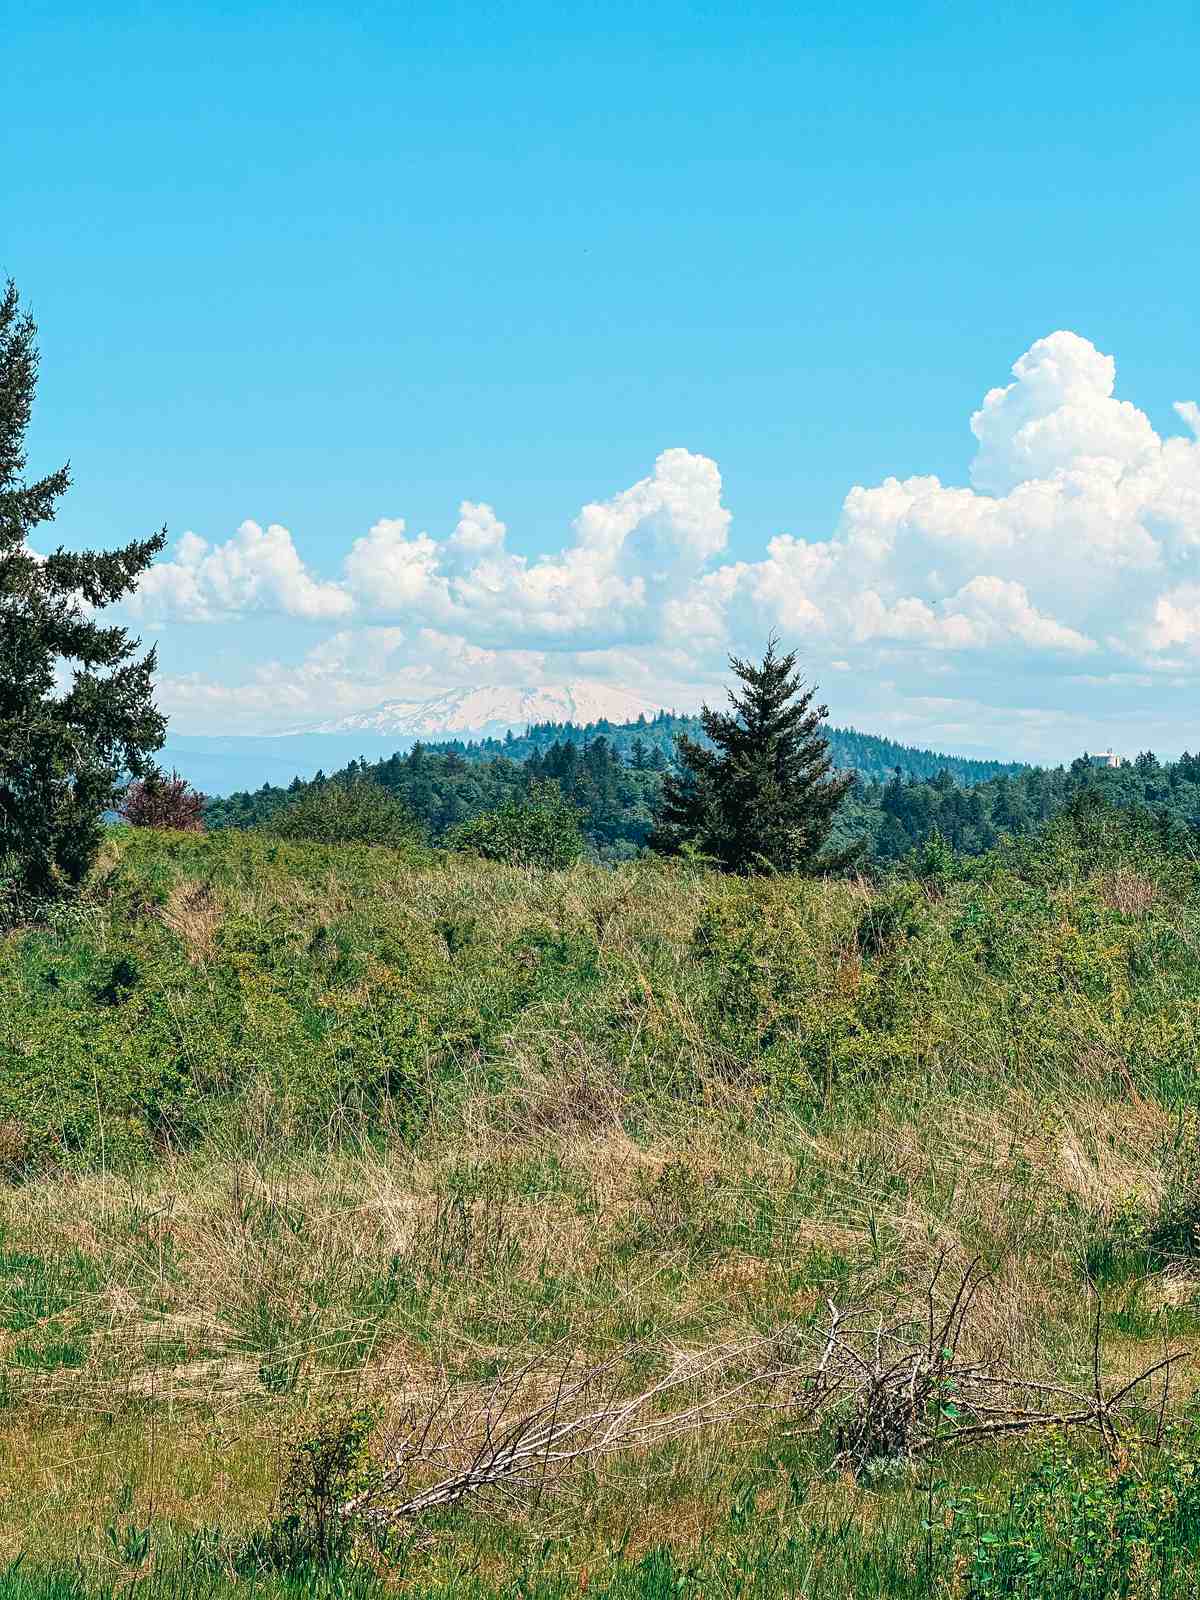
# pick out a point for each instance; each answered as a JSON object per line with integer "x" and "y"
{"x": 615, "y": 778}
{"x": 612, "y": 773}
{"x": 866, "y": 753}
{"x": 443, "y": 789}
{"x": 901, "y": 814}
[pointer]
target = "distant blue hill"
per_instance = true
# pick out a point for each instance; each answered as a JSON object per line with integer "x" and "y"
{"x": 225, "y": 764}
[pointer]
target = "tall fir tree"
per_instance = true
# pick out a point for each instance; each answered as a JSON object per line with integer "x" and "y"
{"x": 76, "y": 706}
{"x": 764, "y": 798}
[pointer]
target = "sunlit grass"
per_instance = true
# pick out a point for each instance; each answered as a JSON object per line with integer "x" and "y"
{"x": 289, "y": 1126}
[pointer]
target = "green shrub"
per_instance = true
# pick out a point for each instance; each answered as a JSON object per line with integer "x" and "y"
{"x": 787, "y": 997}
{"x": 542, "y": 831}
{"x": 890, "y": 919}
{"x": 325, "y": 1466}
{"x": 347, "y": 813}
{"x": 1083, "y": 1531}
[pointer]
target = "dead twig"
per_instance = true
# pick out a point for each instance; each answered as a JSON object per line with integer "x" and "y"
{"x": 890, "y": 1398}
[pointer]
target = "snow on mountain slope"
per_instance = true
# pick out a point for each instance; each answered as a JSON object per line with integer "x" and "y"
{"x": 493, "y": 710}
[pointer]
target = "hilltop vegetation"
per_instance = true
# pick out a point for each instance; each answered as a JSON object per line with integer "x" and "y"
{"x": 292, "y": 1127}
{"x": 615, "y": 779}
{"x": 868, "y": 754}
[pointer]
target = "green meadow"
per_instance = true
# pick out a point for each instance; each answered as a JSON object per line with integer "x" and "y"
{"x": 302, "y": 1144}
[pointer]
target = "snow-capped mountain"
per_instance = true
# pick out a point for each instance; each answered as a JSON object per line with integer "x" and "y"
{"x": 493, "y": 710}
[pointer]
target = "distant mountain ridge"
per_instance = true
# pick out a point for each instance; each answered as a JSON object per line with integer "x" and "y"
{"x": 871, "y": 755}
{"x": 520, "y": 721}
{"x": 230, "y": 765}
{"x": 483, "y": 721}
{"x": 490, "y": 710}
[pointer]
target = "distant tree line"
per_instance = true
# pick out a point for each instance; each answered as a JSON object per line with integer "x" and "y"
{"x": 612, "y": 773}
{"x": 650, "y": 743}
{"x": 619, "y": 797}
{"x": 899, "y": 815}
{"x": 443, "y": 790}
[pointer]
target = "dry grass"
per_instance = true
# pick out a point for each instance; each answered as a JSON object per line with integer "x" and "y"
{"x": 198, "y": 1311}
{"x": 600, "y": 1236}
{"x": 393, "y": 1265}
{"x": 1128, "y": 891}
{"x": 193, "y": 913}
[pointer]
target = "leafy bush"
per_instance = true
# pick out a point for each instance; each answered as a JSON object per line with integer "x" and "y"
{"x": 890, "y": 919}
{"x": 325, "y": 1466}
{"x": 159, "y": 801}
{"x": 61, "y": 909}
{"x": 1073, "y": 1531}
{"x": 358, "y": 812}
{"x": 542, "y": 831}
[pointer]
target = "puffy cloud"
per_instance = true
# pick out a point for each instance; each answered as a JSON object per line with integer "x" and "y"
{"x": 1000, "y": 610}
{"x": 1059, "y": 411}
{"x": 390, "y": 573}
{"x": 627, "y": 556}
{"x": 1175, "y": 619}
{"x": 478, "y": 529}
{"x": 1086, "y": 547}
{"x": 1076, "y": 541}
{"x": 674, "y": 517}
{"x": 259, "y": 569}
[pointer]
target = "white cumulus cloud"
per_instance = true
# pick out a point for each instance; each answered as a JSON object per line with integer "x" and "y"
{"x": 259, "y": 569}
{"x": 1085, "y": 544}
{"x": 1069, "y": 560}
{"x": 1059, "y": 411}
{"x": 627, "y": 556}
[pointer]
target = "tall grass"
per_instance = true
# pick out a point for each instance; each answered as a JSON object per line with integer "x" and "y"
{"x": 289, "y": 1128}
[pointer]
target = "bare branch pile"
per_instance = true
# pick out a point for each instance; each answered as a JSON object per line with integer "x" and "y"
{"x": 888, "y": 1390}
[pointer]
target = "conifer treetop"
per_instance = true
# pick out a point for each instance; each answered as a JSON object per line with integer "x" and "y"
{"x": 764, "y": 796}
{"x": 76, "y": 704}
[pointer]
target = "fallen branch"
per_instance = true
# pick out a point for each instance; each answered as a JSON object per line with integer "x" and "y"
{"x": 889, "y": 1398}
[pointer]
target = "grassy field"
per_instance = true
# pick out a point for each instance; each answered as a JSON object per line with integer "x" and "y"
{"x": 291, "y": 1134}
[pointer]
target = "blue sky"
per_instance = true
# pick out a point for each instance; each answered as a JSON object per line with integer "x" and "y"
{"x": 330, "y": 268}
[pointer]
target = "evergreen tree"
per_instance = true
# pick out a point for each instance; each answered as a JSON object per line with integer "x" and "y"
{"x": 65, "y": 746}
{"x": 763, "y": 797}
